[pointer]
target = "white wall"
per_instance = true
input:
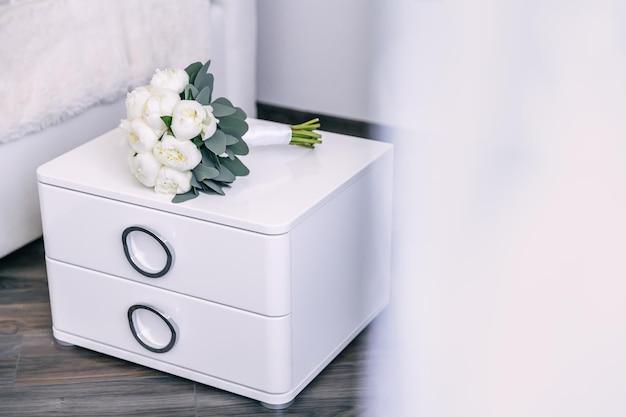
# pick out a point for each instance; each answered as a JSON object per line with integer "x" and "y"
{"x": 316, "y": 55}
{"x": 510, "y": 289}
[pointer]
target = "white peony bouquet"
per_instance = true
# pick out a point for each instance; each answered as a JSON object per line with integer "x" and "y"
{"x": 182, "y": 142}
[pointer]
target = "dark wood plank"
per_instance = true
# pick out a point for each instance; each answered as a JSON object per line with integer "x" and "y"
{"x": 114, "y": 397}
{"x": 23, "y": 317}
{"x": 23, "y": 274}
{"x": 9, "y": 353}
{"x": 43, "y": 361}
{"x": 27, "y": 263}
{"x": 24, "y": 298}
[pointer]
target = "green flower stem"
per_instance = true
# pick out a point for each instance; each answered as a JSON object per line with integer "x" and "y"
{"x": 308, "y": 140}
{"x": 303, "y": 135}
{"x": 306, "y": 125}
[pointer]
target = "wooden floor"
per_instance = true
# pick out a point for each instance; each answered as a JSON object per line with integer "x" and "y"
{"x": 40, "y": 378}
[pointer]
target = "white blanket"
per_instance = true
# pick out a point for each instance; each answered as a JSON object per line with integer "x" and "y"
{"x": 60, "y": 57}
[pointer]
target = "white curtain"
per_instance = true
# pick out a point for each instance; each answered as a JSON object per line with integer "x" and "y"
{"x": 510, "y": 297}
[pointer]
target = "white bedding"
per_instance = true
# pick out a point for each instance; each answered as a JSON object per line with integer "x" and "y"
{"x": 68, "y": 86}
{"x": 88, "y": 52}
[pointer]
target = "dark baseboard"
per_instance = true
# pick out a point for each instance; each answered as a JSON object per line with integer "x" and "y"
{"x": 329, "y": 123}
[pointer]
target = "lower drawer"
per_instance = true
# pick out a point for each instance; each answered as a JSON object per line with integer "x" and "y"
{"x": 212, "y": 339}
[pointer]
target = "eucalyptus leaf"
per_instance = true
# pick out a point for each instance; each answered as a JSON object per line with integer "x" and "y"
{"x": 213, "y": 186}
{"x": 223, "y": 184}
{"x": 235, "y": 166}
{"x": 204, "y": 96}
{"x": 239, "y": 148}
{"x": 194, "y": 182}
{"x": 204, "y": 77}
{"x": 208, "y": 158}
{"x": 180, "y": 198}
{"x": 190, "y": 92}
{"x": 216, "y": 143}
{"x": 203, "y": 172}
{"x": 222, "y": 110}
{"x": 192, "y": 71}
{"x": 239, "y": 113}
{"x": 223, "y": 101}
{"x": 225, "y": 175}
{"x": 233, "y": 126}
{"x": 230, "y": 140}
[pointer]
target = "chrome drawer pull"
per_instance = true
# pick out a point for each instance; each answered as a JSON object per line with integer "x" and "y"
{"x": 151, "y": 328}
{"x": 148, "y": 253}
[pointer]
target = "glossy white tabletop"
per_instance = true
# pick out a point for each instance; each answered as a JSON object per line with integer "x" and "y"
{"x": 285, "y": 183}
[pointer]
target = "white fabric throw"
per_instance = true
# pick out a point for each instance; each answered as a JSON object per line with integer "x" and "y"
{"x": 60, "y": 57}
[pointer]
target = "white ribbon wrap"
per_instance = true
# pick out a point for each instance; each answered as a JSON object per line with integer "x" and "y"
{"x": 263, "y": 132}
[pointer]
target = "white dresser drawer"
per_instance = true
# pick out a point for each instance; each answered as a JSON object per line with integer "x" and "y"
{"x": 226, "y": 343}
{"x": 222, "y": 264}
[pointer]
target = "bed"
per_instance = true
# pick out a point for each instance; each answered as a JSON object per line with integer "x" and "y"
{"x": 68, "y": 64}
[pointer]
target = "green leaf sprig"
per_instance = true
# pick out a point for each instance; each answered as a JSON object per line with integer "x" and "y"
{"x": 220, "y": 164}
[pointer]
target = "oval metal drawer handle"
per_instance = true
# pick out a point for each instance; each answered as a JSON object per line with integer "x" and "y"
{"x": 152, "y": 329}
{"x": 139, "y": 259}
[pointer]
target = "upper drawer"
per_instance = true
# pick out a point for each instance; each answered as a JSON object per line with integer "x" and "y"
{"x": 230, "y": 266}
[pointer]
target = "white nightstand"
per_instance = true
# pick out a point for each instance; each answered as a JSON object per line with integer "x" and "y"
{"x": 254, "y": 292}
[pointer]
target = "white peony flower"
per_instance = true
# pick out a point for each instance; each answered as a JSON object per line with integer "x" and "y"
{"x": 160, "y": 103}
{"x": 141, "y": 137}
{"x": 136, "y": 101}
{"x": 125, "y": 125}
{"x": 181, "y": 155}
{"x": 145, "y": 168}
{"x": 175, "y": 79}
{"x": 187, "y": 119}
{"x": 209, "y": 125}
{"x": 172, "y": 181}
